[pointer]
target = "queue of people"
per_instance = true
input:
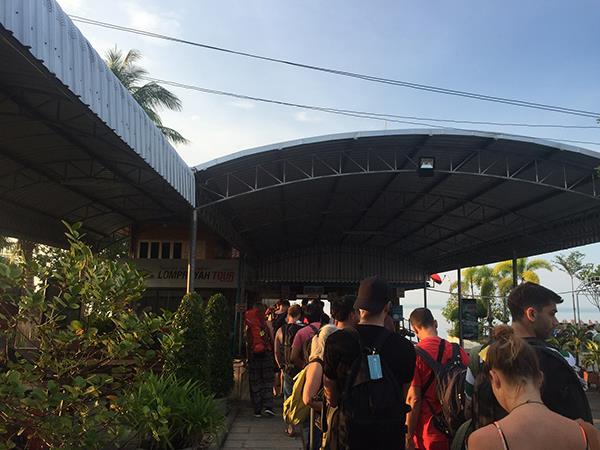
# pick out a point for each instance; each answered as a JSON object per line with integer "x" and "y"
{"x": 353, "y": 383}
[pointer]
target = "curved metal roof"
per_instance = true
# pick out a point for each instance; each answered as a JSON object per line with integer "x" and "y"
{"x": 74, "y": 144}
{"x": 492, "y": 196}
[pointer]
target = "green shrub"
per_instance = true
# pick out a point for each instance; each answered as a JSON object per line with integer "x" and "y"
{"x": 190, "y": 360}
{"x": 67, "y": 392}
{"x": 171, "y": 413}
{"x": 217, "y": 323}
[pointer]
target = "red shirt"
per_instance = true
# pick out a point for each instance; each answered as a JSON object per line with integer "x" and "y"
{"x": 427, "y": 436}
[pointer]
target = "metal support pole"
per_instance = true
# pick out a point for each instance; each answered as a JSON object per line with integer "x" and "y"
{"x": 515, "y": 275}
{"x": 460, "y": 308}
{"x": 425, "y": 290}
{"x": 191, "y": 271}
{"x": 578, "y": 312}
{"x": 238, "y": 311}
{"x": 311, "y": 430}
{"x": 242, "y": 289}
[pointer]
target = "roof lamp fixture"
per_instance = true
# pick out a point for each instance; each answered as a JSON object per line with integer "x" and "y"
{"x": 426, "y": 166}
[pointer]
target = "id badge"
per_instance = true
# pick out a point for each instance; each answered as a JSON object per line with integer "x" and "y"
{"x": 374, "y": 367}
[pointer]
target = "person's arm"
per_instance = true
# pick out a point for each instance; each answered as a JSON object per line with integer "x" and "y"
{"x": 331, "y": 391}
{"x": 312, "y": 385}
{"x": 413, "y": 400}
{"x": 269, "y": 324}
{"x": 279, "y": 358}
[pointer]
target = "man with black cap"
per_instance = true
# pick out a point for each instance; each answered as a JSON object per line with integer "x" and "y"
{"x": 370, "y": 358}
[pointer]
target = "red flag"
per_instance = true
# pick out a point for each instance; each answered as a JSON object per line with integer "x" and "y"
{"x": 436, "y": 278}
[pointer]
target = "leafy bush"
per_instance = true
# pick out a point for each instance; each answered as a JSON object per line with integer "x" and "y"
{"x": 217, "y": 323}
{"x": 190, "y": 361}
{"x": 171, "y": 413}
{"x": 67, "y": 392}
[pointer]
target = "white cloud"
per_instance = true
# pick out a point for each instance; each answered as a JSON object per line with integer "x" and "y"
{"x": 151, "y": 18}
{"x": 243, "y": 104}
{"x": 305, "y": 116}
{"x": 72, "y": 6}
{"x": 195, "y": 117}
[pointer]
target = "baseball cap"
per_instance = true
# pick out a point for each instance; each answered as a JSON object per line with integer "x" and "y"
{"x": 373, "y": 294}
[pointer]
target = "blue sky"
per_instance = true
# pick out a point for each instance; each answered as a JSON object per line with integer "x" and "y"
{"x": 543, "y": 51}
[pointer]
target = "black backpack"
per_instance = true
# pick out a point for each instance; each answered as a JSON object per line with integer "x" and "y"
{"x": 289, "y": 333}
{"x": 370, "y": 407}
{"x": 450, "y": 387}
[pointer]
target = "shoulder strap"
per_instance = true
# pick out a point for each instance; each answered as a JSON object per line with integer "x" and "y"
{"x": 383, "y": 337}
{"x": 474, "y": 358}
{"x": 460, "y": 438}
{"x": 434, "y": 365}
{"x": 455, "y": 352}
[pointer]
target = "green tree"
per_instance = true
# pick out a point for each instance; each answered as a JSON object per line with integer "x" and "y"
{"x": 217, "y": 325}
{"x": 68, "y": 393}
{"x": 190, "y": 361}
{"x": 151, "y": 96}
{"x": 572, "y": 264}
{"x": 479, "y": 283}
{"x": 526, "y": 271}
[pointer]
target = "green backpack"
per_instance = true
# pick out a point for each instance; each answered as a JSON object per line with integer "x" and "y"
{"x": 484, "y": 408}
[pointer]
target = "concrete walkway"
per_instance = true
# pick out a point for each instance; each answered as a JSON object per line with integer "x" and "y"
{"x": 248, "y": 431}
{"x": 594, "y": 399}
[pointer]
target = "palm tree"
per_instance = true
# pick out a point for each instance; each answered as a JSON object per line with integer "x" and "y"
{"x": 572, "y": 264}
{"x": 150, "y": 96}
{"x": 526, "y": 269}
{"x": 478, "y": 282}
{"x": 487, "y": 282}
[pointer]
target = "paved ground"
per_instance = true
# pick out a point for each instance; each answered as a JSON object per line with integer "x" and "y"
{"x": 594, "y": 399}
{"x": 264, "y": 433}
{"x": 267, "y": 434}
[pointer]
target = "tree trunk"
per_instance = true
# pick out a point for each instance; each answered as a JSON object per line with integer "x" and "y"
{"x": 27, "y": 248}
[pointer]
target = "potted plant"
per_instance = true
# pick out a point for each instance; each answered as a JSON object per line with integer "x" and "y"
{"x": 591, "y": 361}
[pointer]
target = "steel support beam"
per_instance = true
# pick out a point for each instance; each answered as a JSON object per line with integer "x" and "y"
{"x": 191, "y": 269}
{"x": 460, "y": 307}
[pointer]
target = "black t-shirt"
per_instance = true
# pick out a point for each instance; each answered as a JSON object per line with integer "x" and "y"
{"x": 342, "y": 348}
{"x": 561, "y": 390}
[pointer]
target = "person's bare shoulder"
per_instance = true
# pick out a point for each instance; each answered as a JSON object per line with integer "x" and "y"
{"x": 486, "y": 438}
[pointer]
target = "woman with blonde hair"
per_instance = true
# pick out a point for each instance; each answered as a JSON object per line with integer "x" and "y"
{"x": 313, "y": 387}
{"x": 516, "y": 379}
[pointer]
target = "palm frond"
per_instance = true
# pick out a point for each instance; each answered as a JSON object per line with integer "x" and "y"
{"x": 531, "y": 276}
{"x": 153, "y": 95}
{"x": 503, "y": 268}
{"x": 173, "y": 135}
{"x": 538, "y": 264}
{"x": 150, "y": 96}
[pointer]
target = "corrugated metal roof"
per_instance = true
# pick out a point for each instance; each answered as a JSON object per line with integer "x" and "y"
{"x": 333, "y": 264}
{"x": 52, "y": 38}
{"x": 491, "y": 196}
{"x": 408, "y": 133}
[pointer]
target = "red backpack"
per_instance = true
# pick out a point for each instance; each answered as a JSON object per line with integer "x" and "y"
{"x": 258, "y": 334}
